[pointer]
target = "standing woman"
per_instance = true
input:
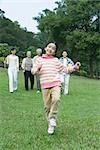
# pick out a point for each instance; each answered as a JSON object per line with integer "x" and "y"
{"x": 27, "y": 64}
{"x": 13, "y": 68}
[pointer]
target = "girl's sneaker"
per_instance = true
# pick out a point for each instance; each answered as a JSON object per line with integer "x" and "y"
{"x": 51, "y": 129}
{"x": 52, "y": 125}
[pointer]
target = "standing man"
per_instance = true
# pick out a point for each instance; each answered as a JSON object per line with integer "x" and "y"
{"x": 27, "y": 64}
{"x": 39, "y": 53}
{"x": 65, "y": 76}
{"x": 13, "y": 68}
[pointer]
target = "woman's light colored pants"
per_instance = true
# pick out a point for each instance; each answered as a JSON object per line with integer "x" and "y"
{"x": 65, "y": 83}
{"x": 12, "y": 74}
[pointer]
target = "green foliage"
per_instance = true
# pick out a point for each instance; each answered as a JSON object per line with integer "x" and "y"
{"x": 32, "y": 49}
{"x": 40, "y": 39}
{"x": 75, "y": 25}
{"x": 4, "y": 49}
{"x": 2, "y": 59}
{"x": 12, "y": 34}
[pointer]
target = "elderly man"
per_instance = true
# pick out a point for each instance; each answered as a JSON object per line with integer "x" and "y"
{"x": 27, "y": 64}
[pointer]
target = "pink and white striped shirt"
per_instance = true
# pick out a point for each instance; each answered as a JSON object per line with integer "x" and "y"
{"x": 49, "y": 67}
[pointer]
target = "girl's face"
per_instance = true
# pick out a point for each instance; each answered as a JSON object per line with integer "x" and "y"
{"x": 50, "y": 49}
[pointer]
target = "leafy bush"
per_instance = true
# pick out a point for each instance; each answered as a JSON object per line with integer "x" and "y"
{"x": 2, "y": 61}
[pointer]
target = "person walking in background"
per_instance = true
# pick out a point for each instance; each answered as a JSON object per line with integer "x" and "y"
{"x": 39, "y": 53}
{"x": 49, "y": 67}
{"x": 27, "y": 65}
{"x": 64, "y": 75}
{"x": 13, "y": 67}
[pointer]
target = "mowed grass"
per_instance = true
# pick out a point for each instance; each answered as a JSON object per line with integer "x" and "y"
{"x": 23, "y": 125}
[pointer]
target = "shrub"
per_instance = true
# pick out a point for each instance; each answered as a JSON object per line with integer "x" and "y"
{"x": 2, "y": 61}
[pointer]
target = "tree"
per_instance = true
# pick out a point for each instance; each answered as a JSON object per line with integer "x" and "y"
{"x": 75, "y": 25}
{"x": 4, "y": 49}
{"x": 13, "y": 34}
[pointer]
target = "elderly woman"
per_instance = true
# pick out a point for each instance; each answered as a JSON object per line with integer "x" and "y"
{"x": 39, "y": 53}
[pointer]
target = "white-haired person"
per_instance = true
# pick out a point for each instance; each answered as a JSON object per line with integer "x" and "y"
{"x": 66, "y": 61}
{"x": 38, "y": 54}
{"x": 27, "y": 65}
{"x": 13, "y": 67}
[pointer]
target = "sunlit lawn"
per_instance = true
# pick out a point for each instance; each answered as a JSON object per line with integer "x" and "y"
{"x": 23, "y": 125}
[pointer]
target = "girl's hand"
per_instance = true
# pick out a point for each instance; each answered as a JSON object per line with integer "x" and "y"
{"x": 77, "y": 65}
{"x": 39, "y": 66}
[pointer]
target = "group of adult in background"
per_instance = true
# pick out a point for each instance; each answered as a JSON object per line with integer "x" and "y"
{"x": 27, "y": 64}
{"x": 12, "y": 62}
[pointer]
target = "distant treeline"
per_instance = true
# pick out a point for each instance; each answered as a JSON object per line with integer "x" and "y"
{"x": 73, "y": 25}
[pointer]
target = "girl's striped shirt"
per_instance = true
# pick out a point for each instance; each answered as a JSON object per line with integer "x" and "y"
{"x": 49, "y": 68}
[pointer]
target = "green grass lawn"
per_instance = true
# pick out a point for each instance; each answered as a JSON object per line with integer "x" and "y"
{"x": 23, "y": 125}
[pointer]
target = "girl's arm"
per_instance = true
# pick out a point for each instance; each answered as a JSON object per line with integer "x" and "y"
{"x": 36, "y": 67}
{"x": 70, "y": 68}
